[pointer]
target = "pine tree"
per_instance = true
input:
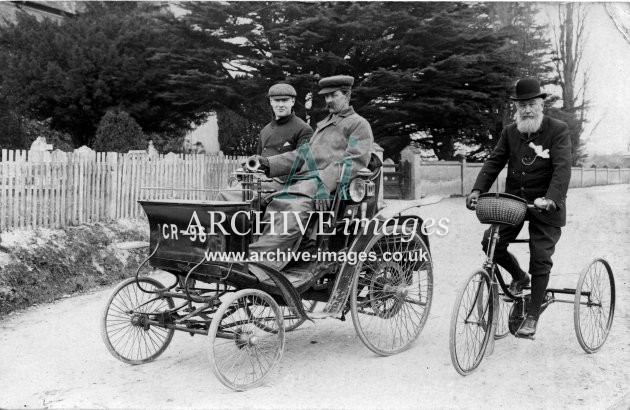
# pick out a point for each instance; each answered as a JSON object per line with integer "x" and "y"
{"x": 76, "y": 70}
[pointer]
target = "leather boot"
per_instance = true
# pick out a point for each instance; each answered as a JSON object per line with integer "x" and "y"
{"x": 516, "y": 286}
{"x": 528, "y": 328}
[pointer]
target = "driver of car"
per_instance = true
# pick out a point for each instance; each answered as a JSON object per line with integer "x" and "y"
{"x": 342, "y": 137}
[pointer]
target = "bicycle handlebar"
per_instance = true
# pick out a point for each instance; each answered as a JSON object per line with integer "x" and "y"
{"x": 529, "y": 206}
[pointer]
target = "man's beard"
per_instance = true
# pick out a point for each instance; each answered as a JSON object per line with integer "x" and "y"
{"x": 528, "y": 125}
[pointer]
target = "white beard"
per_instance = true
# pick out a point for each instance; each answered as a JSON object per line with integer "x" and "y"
{"x": 528, "y": 125}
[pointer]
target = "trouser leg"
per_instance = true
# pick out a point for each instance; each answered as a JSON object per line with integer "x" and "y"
{"x": 542, "y": 244}
{"x": 501, "y": 255}
{"x": 278, "y": 235}
{"x": 539, "y": 288}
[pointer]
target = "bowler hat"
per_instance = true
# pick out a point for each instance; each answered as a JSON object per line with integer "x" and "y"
{"x": 281, "y": 90}
{"x": 527, "y": 89}
{"x": 334, "y": 83}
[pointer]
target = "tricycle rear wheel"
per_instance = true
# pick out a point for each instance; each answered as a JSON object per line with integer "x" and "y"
{"x": 124, "y": 323}
{"x": 594, "y": 305}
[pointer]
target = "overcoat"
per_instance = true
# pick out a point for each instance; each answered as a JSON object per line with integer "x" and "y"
{"x": 345, "y": 135}
{"x": 342, "y": 135}
{"x": 539, "y": 165}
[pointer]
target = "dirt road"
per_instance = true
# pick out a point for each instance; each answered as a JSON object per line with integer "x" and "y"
{"x": 52, "y": 355}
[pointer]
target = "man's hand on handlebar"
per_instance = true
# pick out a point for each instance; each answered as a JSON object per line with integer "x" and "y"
{"x": 471, "y": 200}
{"x": 545, "y": 205}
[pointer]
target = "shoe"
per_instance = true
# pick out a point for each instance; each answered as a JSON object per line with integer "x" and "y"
{"x": 528, "y": 328}
{"x": 516, "y": 287}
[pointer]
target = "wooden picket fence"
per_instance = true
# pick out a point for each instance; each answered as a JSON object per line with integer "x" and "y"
{"x": 61, "y": 189}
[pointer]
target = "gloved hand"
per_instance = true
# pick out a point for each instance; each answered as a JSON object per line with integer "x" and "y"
{"x": 471, "y": 200}
{"x": 322, "y": 204}
{"x": 264, "y": 163}
{"x": 545, "y": 204}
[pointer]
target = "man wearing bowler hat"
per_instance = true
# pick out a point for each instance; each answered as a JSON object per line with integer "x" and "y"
{"x": 342, "y": 135}
{"x": 284, "y": 133}
{"x": 537, "y": 150}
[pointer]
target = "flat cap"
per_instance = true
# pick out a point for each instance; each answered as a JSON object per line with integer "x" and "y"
{"x": 281, "y": 90}
{"x": 334, "y": 83}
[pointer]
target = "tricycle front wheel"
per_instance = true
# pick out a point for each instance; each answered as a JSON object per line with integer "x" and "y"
{"x": 471, "y": 322}
{"x": 505, "y": 304}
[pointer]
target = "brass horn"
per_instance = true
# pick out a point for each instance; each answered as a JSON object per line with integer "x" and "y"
{"x": 253, "y": 164}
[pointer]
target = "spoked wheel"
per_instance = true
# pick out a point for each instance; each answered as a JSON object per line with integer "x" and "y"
{"x": 471, "y": 321}
{"x": 125, "y": 324}
{"x": 594, "y": 305}
{"x": 390, "y": 300}
{"x": 503, "y": 312}
{"x": 241, "y": 352}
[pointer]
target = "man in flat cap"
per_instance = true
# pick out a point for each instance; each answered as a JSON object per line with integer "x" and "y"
{"x": 537, "y": 150}
{"x": 342, "y": 136}
{"x": 284, "y": 133}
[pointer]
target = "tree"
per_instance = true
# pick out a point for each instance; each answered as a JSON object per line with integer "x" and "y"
{"x": 432, "y": 67}
{"x": 11, "y": 135}
{"x": 19, "y": 132}
{"x": 527, "y": 54}
{"x": 119, "y": 132}
{"x": 237, "y": 134}
{"x": 569, "y": 37}
{"x": 74, "y": 71}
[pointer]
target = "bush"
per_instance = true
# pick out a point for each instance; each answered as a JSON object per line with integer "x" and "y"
{"x": 168, "y": 142}
{"x": 35, "y": 128}
{"x": 19, "y": 132}
{"x": 118, "y": 131}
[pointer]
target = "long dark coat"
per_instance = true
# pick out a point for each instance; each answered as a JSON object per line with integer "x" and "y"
{"x": 548, "y": 174}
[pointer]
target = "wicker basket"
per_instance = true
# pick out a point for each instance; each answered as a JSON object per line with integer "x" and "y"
{"x": 501, "y": 208}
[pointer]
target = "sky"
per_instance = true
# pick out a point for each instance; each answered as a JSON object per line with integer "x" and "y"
{"x": 607, "y": 54}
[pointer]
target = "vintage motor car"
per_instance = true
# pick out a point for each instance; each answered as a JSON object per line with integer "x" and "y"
{"x": 245, "y": 307}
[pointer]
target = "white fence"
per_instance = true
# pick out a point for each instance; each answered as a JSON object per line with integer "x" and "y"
{"x": 458, "y": 178}
{"x": 59, "y": 189}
